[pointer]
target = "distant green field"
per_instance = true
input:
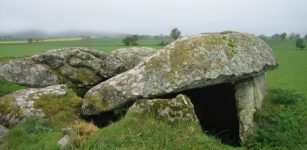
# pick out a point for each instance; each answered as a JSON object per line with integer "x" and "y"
{"x": 291, "y": 74}
{"x": 105, "y": 44}
{"x": 292, "y": 70}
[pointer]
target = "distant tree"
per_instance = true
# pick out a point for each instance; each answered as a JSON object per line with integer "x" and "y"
{"x": 283, "y": 36}
{"x": 294, "y": 36}
{"x": 300, "y": 44}
{"x": 276, "y": 36}
{"x": 305, "y": 37}
{"x": 131, "y": 40}
{"x": 126, "y": 41}
{"x": 84, "y": 40}
{"x": 30, "y": 40}
{"x": 163, "y": 43}
{"x": 175, "y": 33}
{"x": 263, "y": 37}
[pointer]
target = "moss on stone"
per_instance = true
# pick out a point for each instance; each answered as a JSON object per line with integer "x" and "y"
{"x": 8, "y": 110}
{"x": 179, "y": 108}
{"x": 62, "y": 110}
{"x": 86, "y": 75}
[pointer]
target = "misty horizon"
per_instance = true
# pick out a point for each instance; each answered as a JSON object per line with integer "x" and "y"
{"x": 153, "y": 17}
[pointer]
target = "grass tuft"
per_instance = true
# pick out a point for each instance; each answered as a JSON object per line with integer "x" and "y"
{"x": 9, "y": 87}
{"x": 32, "y": 134}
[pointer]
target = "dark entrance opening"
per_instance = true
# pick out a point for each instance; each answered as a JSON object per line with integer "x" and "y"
{"x": 106, "y": 118}
{"x": 215, "y": 107}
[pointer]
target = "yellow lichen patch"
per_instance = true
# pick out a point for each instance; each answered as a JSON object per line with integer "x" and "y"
{"x": 62, "y": 110}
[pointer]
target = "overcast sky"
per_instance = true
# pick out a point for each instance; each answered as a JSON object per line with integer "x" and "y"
{"x": 155, "y": 16}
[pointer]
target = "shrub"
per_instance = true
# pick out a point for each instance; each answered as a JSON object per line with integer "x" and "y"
{"x": 131, "y": 40}
{"x": 300, "y": 44}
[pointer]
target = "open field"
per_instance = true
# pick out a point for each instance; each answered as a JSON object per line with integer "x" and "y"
{"x": 291, "y": 73}
{"x": 45, "y": 40}
{"x": 105, "y": 44}
{"x": 281, "y": 123}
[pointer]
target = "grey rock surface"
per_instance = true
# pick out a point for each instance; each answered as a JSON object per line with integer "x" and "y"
{"x": 190, "y": 62}
{"x": 16, "y": 106}
{"x": 178, "y": 108}
{"x": 76, "y": 67}
{"x": 249, "y": 95}
{"x": 64, "y": 142}
{"x": 3, "y": 132}
{"x": 27, "y": 72}
{"x": 124, "y": 59}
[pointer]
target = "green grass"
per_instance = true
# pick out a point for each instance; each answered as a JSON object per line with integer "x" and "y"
{"x": 282, "y": 121}
{"x": 33, "y": 134}
{"x": 61, "y": 110}
{"x": 142, "y": 131}
{"x": 8, "y": 87}
{"x": 292, "y": 71}
{"x": 105, "y": 44}
{"x": 283, "y": 44}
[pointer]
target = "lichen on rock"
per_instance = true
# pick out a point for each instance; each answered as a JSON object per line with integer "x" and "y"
{"x": 16, "y": 106}
{"x": 249, "y": 95}
{"x": 178, "y": 108}
{"x": 77, "y": 66}
{"x": 191, "y": 62}
{"x": 123, "y": 59}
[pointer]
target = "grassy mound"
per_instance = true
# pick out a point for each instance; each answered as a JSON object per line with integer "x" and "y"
{"x": 137, "y": 131}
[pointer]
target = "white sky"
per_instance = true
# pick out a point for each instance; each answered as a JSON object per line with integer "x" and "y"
{"x": 155, "y": 16}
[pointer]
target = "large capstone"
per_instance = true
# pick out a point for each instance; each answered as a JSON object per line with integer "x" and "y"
{"x": 191, "y": 62}
{"x": 123, "y": 59}
{"x": 222, "y": 73}
{"x": 77, "y": 67}
{"x": 16, "y": 106}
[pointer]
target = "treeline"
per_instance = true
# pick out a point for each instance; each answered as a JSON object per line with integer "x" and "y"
{"x": 132, "y": 40}
{"x": 299, "y": 39}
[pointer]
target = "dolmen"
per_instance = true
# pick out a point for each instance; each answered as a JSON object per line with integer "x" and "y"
{"x": 217, "y": 79}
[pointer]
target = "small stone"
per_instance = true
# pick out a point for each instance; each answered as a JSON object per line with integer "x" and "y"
{"x": 64, "y": 143}
{"x": 3, "y": 132}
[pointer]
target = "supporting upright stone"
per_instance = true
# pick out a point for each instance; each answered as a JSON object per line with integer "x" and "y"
{"x": 249, "y": 96}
